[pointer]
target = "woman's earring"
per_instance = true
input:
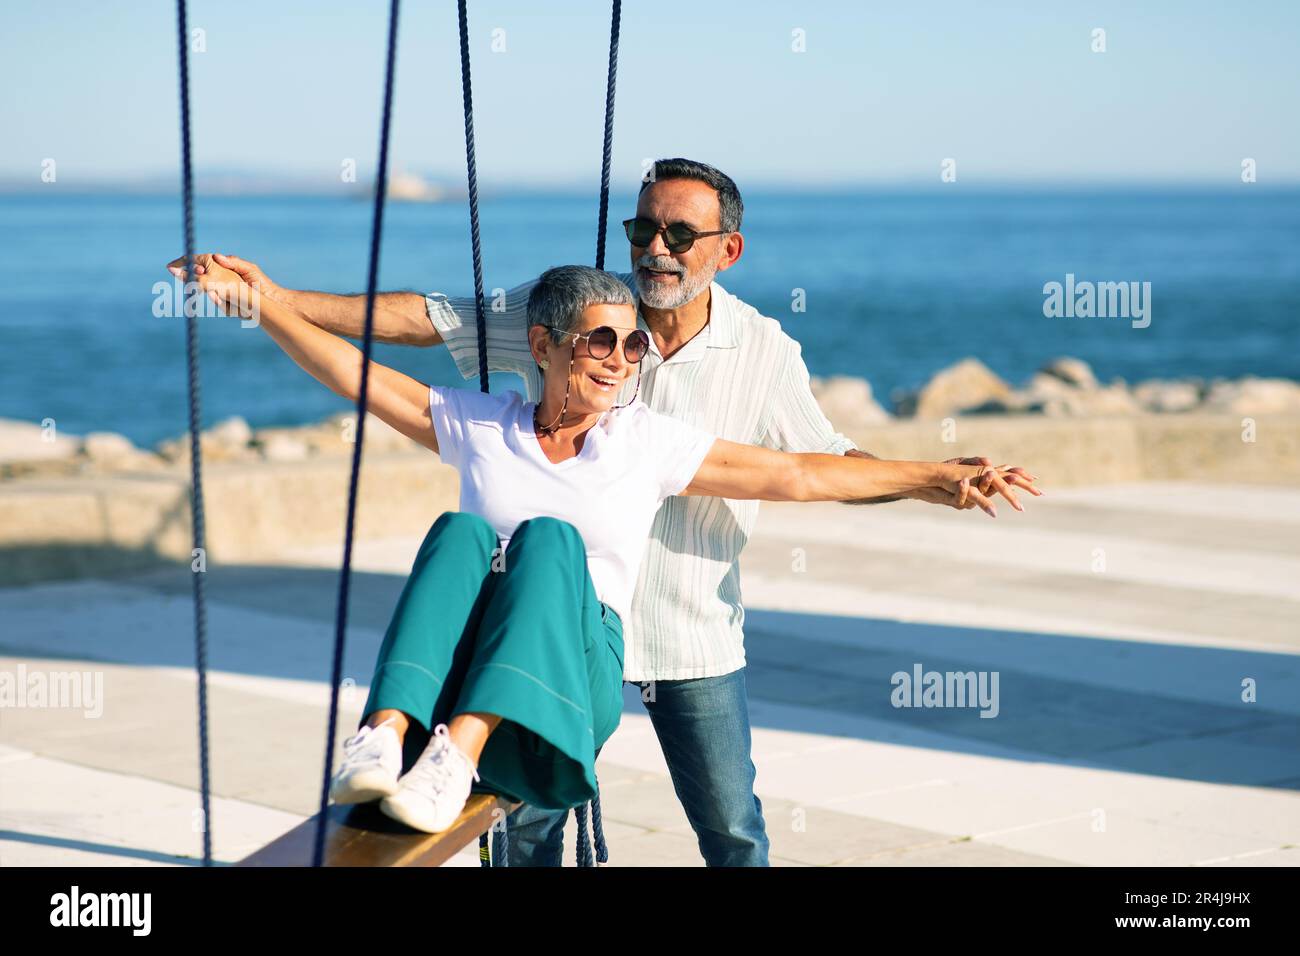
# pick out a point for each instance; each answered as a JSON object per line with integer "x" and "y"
{"x": 545, "y": 363}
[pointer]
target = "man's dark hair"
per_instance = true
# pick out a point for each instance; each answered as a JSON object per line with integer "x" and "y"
{"x": 730, "y": 207}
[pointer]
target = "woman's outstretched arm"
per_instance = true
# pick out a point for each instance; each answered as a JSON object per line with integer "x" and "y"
{"x": 736, "y": 470}
{"x": 395, "y": 398}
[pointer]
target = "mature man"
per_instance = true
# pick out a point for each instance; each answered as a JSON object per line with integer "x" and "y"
{"x": 718, "y": 364}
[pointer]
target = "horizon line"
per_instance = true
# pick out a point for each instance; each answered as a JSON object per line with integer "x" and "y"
{"x": 222, "y": 184}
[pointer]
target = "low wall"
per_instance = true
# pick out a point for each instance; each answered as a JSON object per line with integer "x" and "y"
{"x": 1089, "y": 451}
{"x": 98, "y": 527}
{"x": 102, "y": 526}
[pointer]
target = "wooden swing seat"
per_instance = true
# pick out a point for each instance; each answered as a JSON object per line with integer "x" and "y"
{"x": 360, "y": 835}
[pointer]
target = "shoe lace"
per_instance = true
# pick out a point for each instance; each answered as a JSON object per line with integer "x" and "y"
{"x": 363, "y": 743}
{"x": 436, "y": 765}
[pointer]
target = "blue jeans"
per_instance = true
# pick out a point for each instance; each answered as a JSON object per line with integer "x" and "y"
{"x": 703, "y": 728}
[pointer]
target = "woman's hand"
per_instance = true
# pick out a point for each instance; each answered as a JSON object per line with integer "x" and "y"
{"x": 201, "y": 261}
{"x": 975, "y": 485}
{"x": 1015, "y": 476}
{"x": 251, "y": 273}
{"x": 397, "y": 399}
{"x": 223, "y": 286}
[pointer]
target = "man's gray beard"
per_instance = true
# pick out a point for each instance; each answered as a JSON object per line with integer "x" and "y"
{"x": 687, "y": 288}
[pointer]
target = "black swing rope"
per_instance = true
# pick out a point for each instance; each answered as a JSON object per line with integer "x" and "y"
{"x": 608, "y": 150}
{"x": 196, "y": 448}
{"x": 471, "y": 167}
{"x": 476, "y": 252}
{"x": 580, "y": 813}
{"x": 372, "y": 281}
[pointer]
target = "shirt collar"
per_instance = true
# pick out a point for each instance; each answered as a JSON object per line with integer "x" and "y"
{"x": 722, "y": 318}
{"x": 718, "y": 333}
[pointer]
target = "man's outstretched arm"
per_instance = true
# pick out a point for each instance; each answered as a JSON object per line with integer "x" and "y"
{"x": 859, "y": 453}
{"x": 400, "y": 317}
{"x": 409, "y": 318}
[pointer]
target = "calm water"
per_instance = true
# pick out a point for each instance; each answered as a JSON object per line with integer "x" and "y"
{"x": 897, "y": 286}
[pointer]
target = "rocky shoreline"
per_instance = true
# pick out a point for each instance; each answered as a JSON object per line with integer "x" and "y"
{"x": 27, "y": 452}
{"x": 1063, "y": 388}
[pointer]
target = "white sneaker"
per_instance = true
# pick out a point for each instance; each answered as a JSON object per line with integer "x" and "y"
{"x": 431, "y": 796}
{"x": 372, "y": 762}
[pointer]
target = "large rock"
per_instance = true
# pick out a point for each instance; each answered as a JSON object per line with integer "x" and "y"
{"x": 1055, "y": 397}
{"x": 847, "y": 401}
{"x": 232, "y": 433}
{"x": 101, "y": 453}
{"x": 1253, "y": 396}
{"x": 1065, "y": 388}
{"x": 1071, "y": 371}
{"x": 29, "y": 442}
{"x": 228, "y": 440}
{"x": 1163, "y": 396}
{"x": 222, "y": 447}
{"x": 1113, "y": 399}
{"x": 283, "y": 446}
{"x": 332, "y": 438}
{"x": 106, "y": 447}
{"x": 319, "y": 438}
{"x": 966, "y": 386}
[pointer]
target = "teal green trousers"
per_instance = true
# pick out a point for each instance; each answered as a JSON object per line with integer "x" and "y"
{"x": 521, "y": 635}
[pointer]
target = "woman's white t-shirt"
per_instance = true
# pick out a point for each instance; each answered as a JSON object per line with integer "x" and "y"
{"x": 631, "y": 460}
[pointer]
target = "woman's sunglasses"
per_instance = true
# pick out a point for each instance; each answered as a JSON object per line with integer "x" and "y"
{"x": 601, "y": 342}
{"x": 678, "y": 236}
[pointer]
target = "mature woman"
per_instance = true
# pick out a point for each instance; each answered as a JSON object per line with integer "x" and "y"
{"x": 505, "y": 651}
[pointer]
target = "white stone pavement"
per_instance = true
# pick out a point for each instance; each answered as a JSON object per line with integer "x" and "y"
{"x": 1121, "y": 622}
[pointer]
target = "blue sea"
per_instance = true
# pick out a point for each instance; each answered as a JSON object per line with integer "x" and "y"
{"x": 896, "y": 285}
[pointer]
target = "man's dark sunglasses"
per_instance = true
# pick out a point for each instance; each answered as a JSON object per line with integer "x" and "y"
{"x": 601, "y": 342}
{"x": 678, "y": 236}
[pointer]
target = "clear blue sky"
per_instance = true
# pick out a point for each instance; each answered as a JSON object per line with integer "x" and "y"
{"x": 884, "y": 92}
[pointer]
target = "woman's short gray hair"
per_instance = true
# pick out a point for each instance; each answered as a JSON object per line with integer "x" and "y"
{"x": 562, "y": 293}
